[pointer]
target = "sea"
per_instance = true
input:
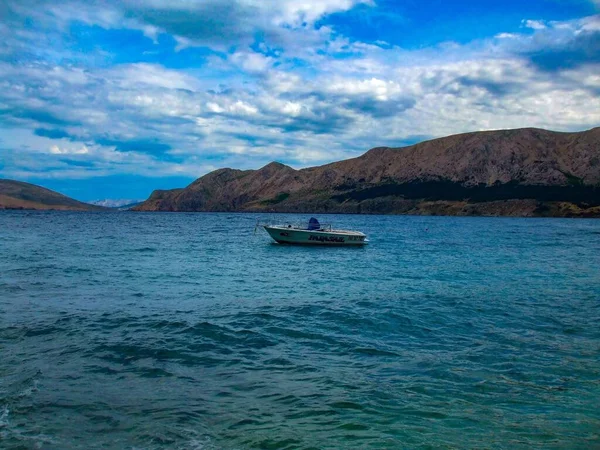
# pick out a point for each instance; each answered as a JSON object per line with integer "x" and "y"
{"x": 190, "y": 331}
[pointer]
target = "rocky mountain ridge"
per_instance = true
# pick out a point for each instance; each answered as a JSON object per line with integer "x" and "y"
{"x": 523, "y": 172}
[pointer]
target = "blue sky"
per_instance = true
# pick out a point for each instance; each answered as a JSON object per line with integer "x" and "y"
{"x": 105, "y": 99}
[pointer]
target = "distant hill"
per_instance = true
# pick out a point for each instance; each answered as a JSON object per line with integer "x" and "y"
{"x": 129, "y": 206}
{"x": 120, "y": 204}
{"x": 20, "y": 195}
{"x": 523, "y": 172}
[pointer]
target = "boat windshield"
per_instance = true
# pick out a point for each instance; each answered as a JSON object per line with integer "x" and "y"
{"x": 313, "y": 224}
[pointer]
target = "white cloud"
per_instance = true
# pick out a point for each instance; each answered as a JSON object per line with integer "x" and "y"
{"x": 69, "y": 150}
{"x": 534, "y": 24}
{"x": 379, "y": 89}
{"x": 591, "y": 23}
{"x": 251, "y": 61}
{"x": 153, "y": 75}
{"x": 299, "y": 12}
{"x": 213, "y": 23}
{"x": 291, "y": 108}
{"x": 506, "y": 36}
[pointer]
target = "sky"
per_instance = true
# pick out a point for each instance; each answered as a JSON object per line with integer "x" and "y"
{"x": 113, "y": 99}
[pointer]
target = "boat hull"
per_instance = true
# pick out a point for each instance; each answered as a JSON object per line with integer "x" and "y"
{"x": 284, "y": 235}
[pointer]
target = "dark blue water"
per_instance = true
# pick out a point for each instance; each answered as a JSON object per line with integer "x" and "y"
{"x": 150, "y": 331}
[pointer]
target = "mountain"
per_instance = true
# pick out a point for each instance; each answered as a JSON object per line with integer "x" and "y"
{"x": 523, "y": 172}
{"x": 20, "y": 195}
{"x": 129, "y": 206}
{"x": 119, "y": 203}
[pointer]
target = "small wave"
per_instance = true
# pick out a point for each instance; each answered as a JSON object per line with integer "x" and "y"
{"x": 126, "y": 353}
{"x": 4, "y": 413}
{"x": 347, "y": 405}
{"x": 374, "y": 352}
{"x": 225, "y": 336}
{"x": 30, "y": 390}
{"x": 428, "y": 414}
{"x": 310, "y": 413}
{"x": 282, "y": 444}
{"x": 77, "y": 270}
{"x": 244, "y": 423}
{"x": 278, "y": 362}
{"x": 153, "y": 372}
{"x": 42, "y": 331}
{"x": 257, "y": 319}
{"x": 102, "y": 370}
{"x": 169, "y": 325}
{"x": 353, "y": 427}
{"x": 144, "y": 250}
{"x": 300, "y": 334}
{"x": 12, "y": 287}
{"x": 289, "y": 399}
{"x": 198, "y": 444}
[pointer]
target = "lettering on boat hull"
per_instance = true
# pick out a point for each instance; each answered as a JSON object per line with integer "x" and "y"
{"x": 312, "y": 237}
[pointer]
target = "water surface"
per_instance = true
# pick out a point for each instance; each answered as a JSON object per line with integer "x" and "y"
{"x": 151, "y": 331}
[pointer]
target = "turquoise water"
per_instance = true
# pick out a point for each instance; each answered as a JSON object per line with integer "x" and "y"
{"x": 151, "y": 331}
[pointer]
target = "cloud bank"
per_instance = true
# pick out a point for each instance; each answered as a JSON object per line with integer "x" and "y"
{"x": 179, "y": 88}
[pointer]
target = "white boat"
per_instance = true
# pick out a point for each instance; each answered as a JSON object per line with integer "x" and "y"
{"x": 314, "y": 234}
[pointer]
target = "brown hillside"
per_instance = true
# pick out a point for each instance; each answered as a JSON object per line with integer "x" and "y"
{"x": 20, "y": 195}
{"x": 537, "y": 170}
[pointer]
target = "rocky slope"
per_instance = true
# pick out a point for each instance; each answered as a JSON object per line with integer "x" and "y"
{"x": 20, "y": 195}
{"x": 524, "y": 172}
